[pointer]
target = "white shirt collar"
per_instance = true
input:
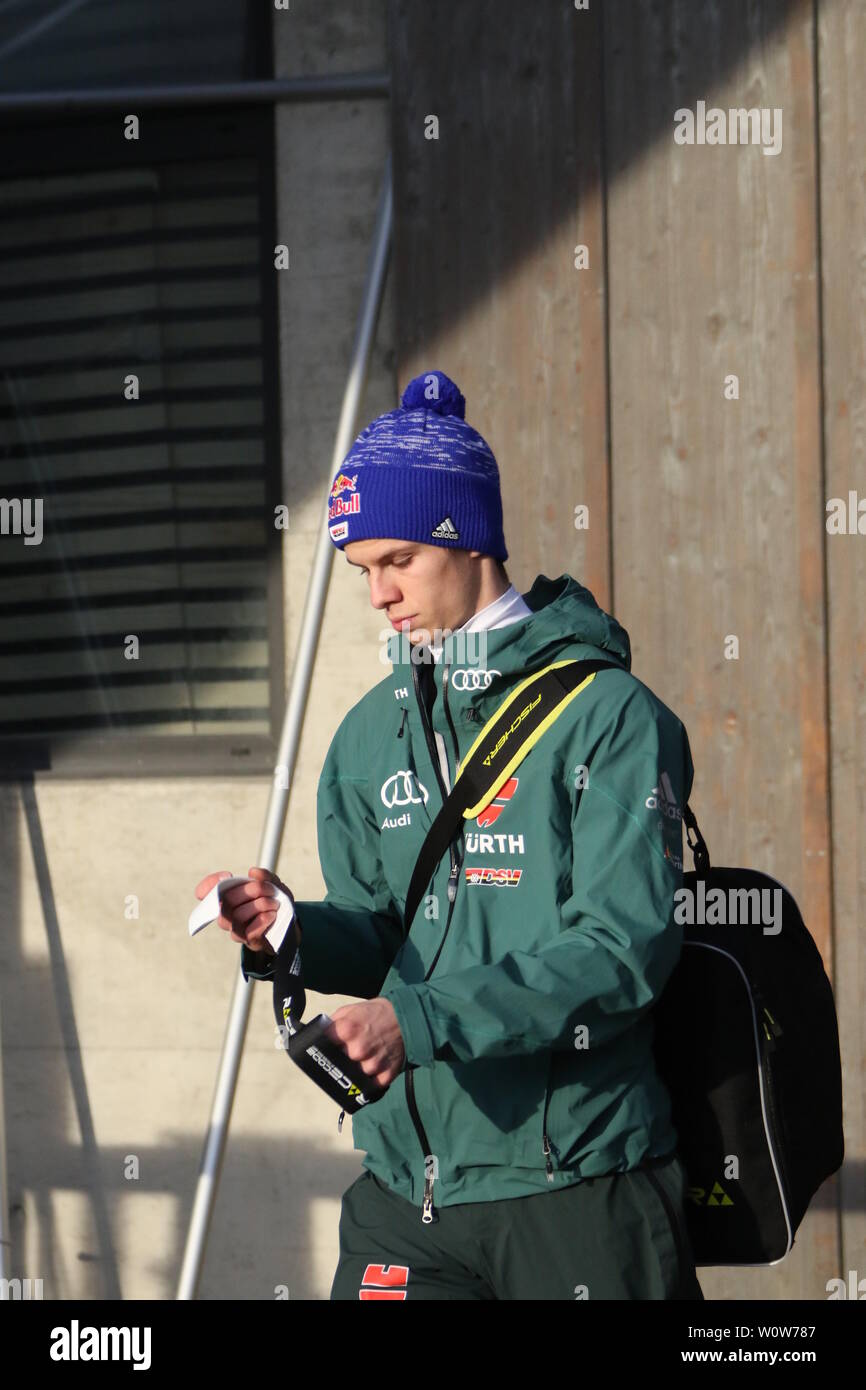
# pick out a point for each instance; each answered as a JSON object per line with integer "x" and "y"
{"x": 508, "y": 608}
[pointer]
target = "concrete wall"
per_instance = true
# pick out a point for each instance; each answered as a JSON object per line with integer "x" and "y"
{"x": 112, "y": 1026}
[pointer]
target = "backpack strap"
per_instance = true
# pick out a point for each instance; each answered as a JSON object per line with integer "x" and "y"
{"x": 500, "y": 747}
{"x": 698, "y": 846}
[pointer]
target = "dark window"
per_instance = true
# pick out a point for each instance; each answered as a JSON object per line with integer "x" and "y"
{"x": 61, "y": 45}
{"x": 139, "y": 265}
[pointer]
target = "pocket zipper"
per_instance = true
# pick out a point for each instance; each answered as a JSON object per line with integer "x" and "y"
{"x": 672, "y": 1218}
{"x": 428, "y": 1211}
{"x": 545, "y": 1141}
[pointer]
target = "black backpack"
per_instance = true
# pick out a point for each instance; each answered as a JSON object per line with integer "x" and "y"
{"x": 746, "y": 1036}
{"x": 747, "y": 1043}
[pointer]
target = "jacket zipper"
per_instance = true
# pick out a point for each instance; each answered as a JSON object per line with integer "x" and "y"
{"x": 545, "y": 1140}
{"x": 445, "y": 687}
{"x": 432, "y": 750}
{"x": 458, "y": 857}
{"x": 428, "y": 1210}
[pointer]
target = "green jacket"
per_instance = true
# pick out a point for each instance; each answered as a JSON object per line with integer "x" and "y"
{"x": 531, "y": 1044}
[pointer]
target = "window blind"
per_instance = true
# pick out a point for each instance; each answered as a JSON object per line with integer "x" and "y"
{"x": 133, "y": 397}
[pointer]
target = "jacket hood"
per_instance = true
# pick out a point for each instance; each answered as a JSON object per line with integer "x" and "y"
{"x": 564, "y": 615}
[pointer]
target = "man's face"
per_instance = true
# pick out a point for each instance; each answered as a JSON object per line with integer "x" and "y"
{"x": 421, "y": 588}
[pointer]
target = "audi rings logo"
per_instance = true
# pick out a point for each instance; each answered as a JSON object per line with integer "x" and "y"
{"x": 402, "y": 790}
{"x": 467, "y": 679}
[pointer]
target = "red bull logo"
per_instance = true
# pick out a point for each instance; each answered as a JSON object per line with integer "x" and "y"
{"x": 344, "y": 506}
{"x": 342, "y": 483}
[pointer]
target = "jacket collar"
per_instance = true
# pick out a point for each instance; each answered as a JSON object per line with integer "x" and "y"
{"x": 562, "y": 615}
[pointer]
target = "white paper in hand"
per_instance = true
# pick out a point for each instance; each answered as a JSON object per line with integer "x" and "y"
{"x": 208, "y": 910}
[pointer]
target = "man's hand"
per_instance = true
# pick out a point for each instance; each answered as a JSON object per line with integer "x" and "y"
{"x": 370, "y": 1034}
{"x": 248, "y": 910}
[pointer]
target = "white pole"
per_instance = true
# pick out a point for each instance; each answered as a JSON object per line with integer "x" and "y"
{"x": 302, "y": 670}
{"x": 5, "y": 1232}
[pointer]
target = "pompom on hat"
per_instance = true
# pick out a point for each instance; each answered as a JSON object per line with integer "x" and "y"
{"x": 420, "y": 473}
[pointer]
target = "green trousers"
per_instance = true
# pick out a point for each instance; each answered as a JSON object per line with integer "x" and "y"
{"x": 622, "y": 1236}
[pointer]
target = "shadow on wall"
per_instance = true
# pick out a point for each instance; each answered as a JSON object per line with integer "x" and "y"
{"x": 537, "y": 105}
{"x": 36, "y": 1004}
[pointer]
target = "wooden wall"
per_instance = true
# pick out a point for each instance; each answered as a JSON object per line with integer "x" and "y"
{"x": 606, "y": 386}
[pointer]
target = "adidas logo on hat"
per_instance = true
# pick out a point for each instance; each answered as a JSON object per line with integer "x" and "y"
{"x": 445, "y": 531}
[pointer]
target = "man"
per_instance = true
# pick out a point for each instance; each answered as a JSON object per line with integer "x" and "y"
{"x": 523, "y": 1147}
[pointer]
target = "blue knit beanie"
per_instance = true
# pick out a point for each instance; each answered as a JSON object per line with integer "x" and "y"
{"x": 420, "y": 473}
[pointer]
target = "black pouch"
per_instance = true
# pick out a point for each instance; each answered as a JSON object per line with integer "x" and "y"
{"x": 321, "y": 1059}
